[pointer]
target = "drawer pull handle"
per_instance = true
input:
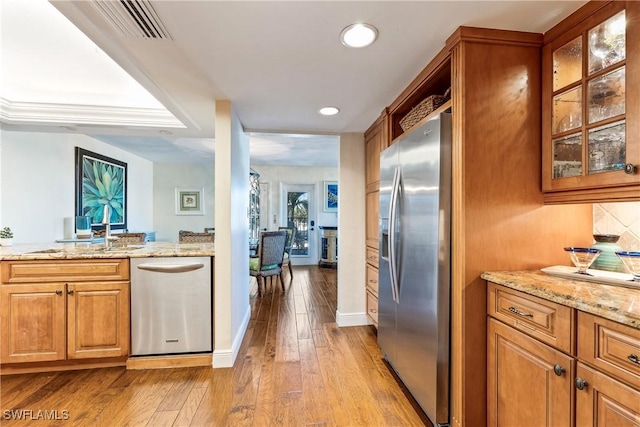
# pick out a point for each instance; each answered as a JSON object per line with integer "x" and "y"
{"x": 559, "y": 370}
{"x": 581, "y": 384}
{"x": 70, "y": 292}
{"x": 58, "y": 292}
{"x": 634, "y": 358}
{"x": 519, "y": 313}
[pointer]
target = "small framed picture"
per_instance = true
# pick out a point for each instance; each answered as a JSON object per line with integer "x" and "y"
{"x": 330, "y": 203}
{"x": 189, "y": 201}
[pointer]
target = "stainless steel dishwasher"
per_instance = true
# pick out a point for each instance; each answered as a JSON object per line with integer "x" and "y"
{"x": 171, "y": 307}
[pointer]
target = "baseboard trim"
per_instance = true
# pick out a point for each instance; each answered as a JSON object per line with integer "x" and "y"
{"x": 173, "y": 361}
{"x": 352, "y": 319}
{"x": 225, "y": 358}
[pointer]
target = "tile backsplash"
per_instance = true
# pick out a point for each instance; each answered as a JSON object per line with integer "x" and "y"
{"x": 622, "y": 219}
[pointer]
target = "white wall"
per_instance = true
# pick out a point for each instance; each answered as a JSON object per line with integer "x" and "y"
{"x": 168, "y": 176}
{"x": 37, "y": 183}
{"x": 351, "y": 309}
{"x": 1, "y": 136}
{"x": 231, "y": 289}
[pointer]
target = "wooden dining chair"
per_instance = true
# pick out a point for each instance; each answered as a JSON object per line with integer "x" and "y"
{"x": 291, "y": 234}
{"x": 269, "y": 261}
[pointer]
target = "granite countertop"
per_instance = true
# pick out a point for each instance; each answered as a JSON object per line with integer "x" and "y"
{"x": 612, "y": 302}
{"x": 51, "y": 251}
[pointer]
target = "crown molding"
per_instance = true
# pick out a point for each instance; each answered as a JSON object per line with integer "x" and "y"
{"x": 83, "y": 115}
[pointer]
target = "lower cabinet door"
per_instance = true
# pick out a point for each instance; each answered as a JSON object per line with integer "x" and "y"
{"x": 98, "y": 320}
{"x": 529, "y": 383}
{"x": 32, "y": 319}
{"x": 604, "y": 402}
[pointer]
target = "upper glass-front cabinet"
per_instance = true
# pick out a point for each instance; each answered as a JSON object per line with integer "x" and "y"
{"x": 585, "y": 114}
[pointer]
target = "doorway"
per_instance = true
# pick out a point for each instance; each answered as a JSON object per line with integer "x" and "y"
{"x": 299, "y": 211}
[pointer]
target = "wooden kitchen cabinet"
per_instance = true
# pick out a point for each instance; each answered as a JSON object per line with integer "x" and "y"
{"x": 531, "y": 366}
{"x": 64, "y": 310}
{"x": 610, "y": 347}
{"x": 529, "y": 383}
{"x": 608, "y": 374}
{"x": 33, "y": 322}
{"x": 376, "y": 140}
{"x": 605, "y": 402}
{"x": 591, "y": 114}
{"x": 98, "y": 320}
{"x": 372, "y": 219}
{"x": 374, "y": 144}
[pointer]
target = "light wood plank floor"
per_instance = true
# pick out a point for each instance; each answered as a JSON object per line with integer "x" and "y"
{"x": 295, "y": 368}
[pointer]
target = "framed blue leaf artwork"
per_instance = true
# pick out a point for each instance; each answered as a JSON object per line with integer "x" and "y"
{"x": 330, "y": 196}
{"x": 100, "y": 181}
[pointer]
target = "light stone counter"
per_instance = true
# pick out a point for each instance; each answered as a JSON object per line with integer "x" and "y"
{"x": 615, "y": 303}
{"x": 52, "y": 251}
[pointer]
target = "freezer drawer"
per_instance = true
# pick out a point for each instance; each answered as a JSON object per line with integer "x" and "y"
{"x": 171, "y": 308}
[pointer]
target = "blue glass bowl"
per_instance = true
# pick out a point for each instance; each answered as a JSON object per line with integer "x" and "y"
{"x": 582, "y": 257}
{"x": 631, "y": 261}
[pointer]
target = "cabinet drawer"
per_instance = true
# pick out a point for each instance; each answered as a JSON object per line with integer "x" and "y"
{"x": 372, "y": 280}
{"x": 64, "y": 270}
{"x": 372, "y": 307}
{"x": 610, "y": 346}
{"x": 372, "y": 257}
{"x": 547, "y": 321}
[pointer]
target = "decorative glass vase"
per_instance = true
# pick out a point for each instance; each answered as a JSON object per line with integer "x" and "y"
{"x": 608, "y": 260}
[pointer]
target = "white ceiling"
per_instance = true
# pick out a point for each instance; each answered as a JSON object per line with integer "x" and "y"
{"x": 277, "y": 61}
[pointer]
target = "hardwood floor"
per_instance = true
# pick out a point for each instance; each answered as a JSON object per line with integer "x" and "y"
{"x": 295, "y": 368}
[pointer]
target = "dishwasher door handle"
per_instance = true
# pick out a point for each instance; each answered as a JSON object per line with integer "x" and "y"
{"x": 170, "y": 268}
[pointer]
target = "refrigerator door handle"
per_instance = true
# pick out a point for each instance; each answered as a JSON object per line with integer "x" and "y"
{"x": 392, "y": 234}
{"x": 397, "y": 228}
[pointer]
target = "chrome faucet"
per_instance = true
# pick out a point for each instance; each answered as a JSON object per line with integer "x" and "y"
{"x": 106, "y": 220}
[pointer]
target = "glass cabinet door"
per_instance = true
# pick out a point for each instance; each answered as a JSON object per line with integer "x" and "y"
{"x": 588, "y": 101}
{"x": 254, "y": 207}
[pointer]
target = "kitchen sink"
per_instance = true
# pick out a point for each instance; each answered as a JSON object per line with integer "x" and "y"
{"x": 47, "y": 251}
{"x": 126, "y": 248}
{"x": 88, "y": 249}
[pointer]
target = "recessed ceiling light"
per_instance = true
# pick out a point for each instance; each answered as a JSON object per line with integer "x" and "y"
{"x": 329, "y": 111}
{"x": 165, "y": 132}
{"x": 358, "y": 35}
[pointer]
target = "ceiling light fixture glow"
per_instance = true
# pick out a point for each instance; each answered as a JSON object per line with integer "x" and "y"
{"x": 358, "y": 35}
{"x": 329, "y": 111}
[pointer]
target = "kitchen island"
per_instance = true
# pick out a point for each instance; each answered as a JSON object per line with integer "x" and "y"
{"x": 68, "y": 306}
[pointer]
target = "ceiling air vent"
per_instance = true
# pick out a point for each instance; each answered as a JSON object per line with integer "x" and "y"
{"x": 132, "y": 18}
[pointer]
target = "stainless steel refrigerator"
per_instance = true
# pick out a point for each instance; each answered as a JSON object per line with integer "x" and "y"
{"x": 414, "y": 268}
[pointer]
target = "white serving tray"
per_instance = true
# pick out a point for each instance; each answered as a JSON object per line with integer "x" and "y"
{"x": 597, "y": 276}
